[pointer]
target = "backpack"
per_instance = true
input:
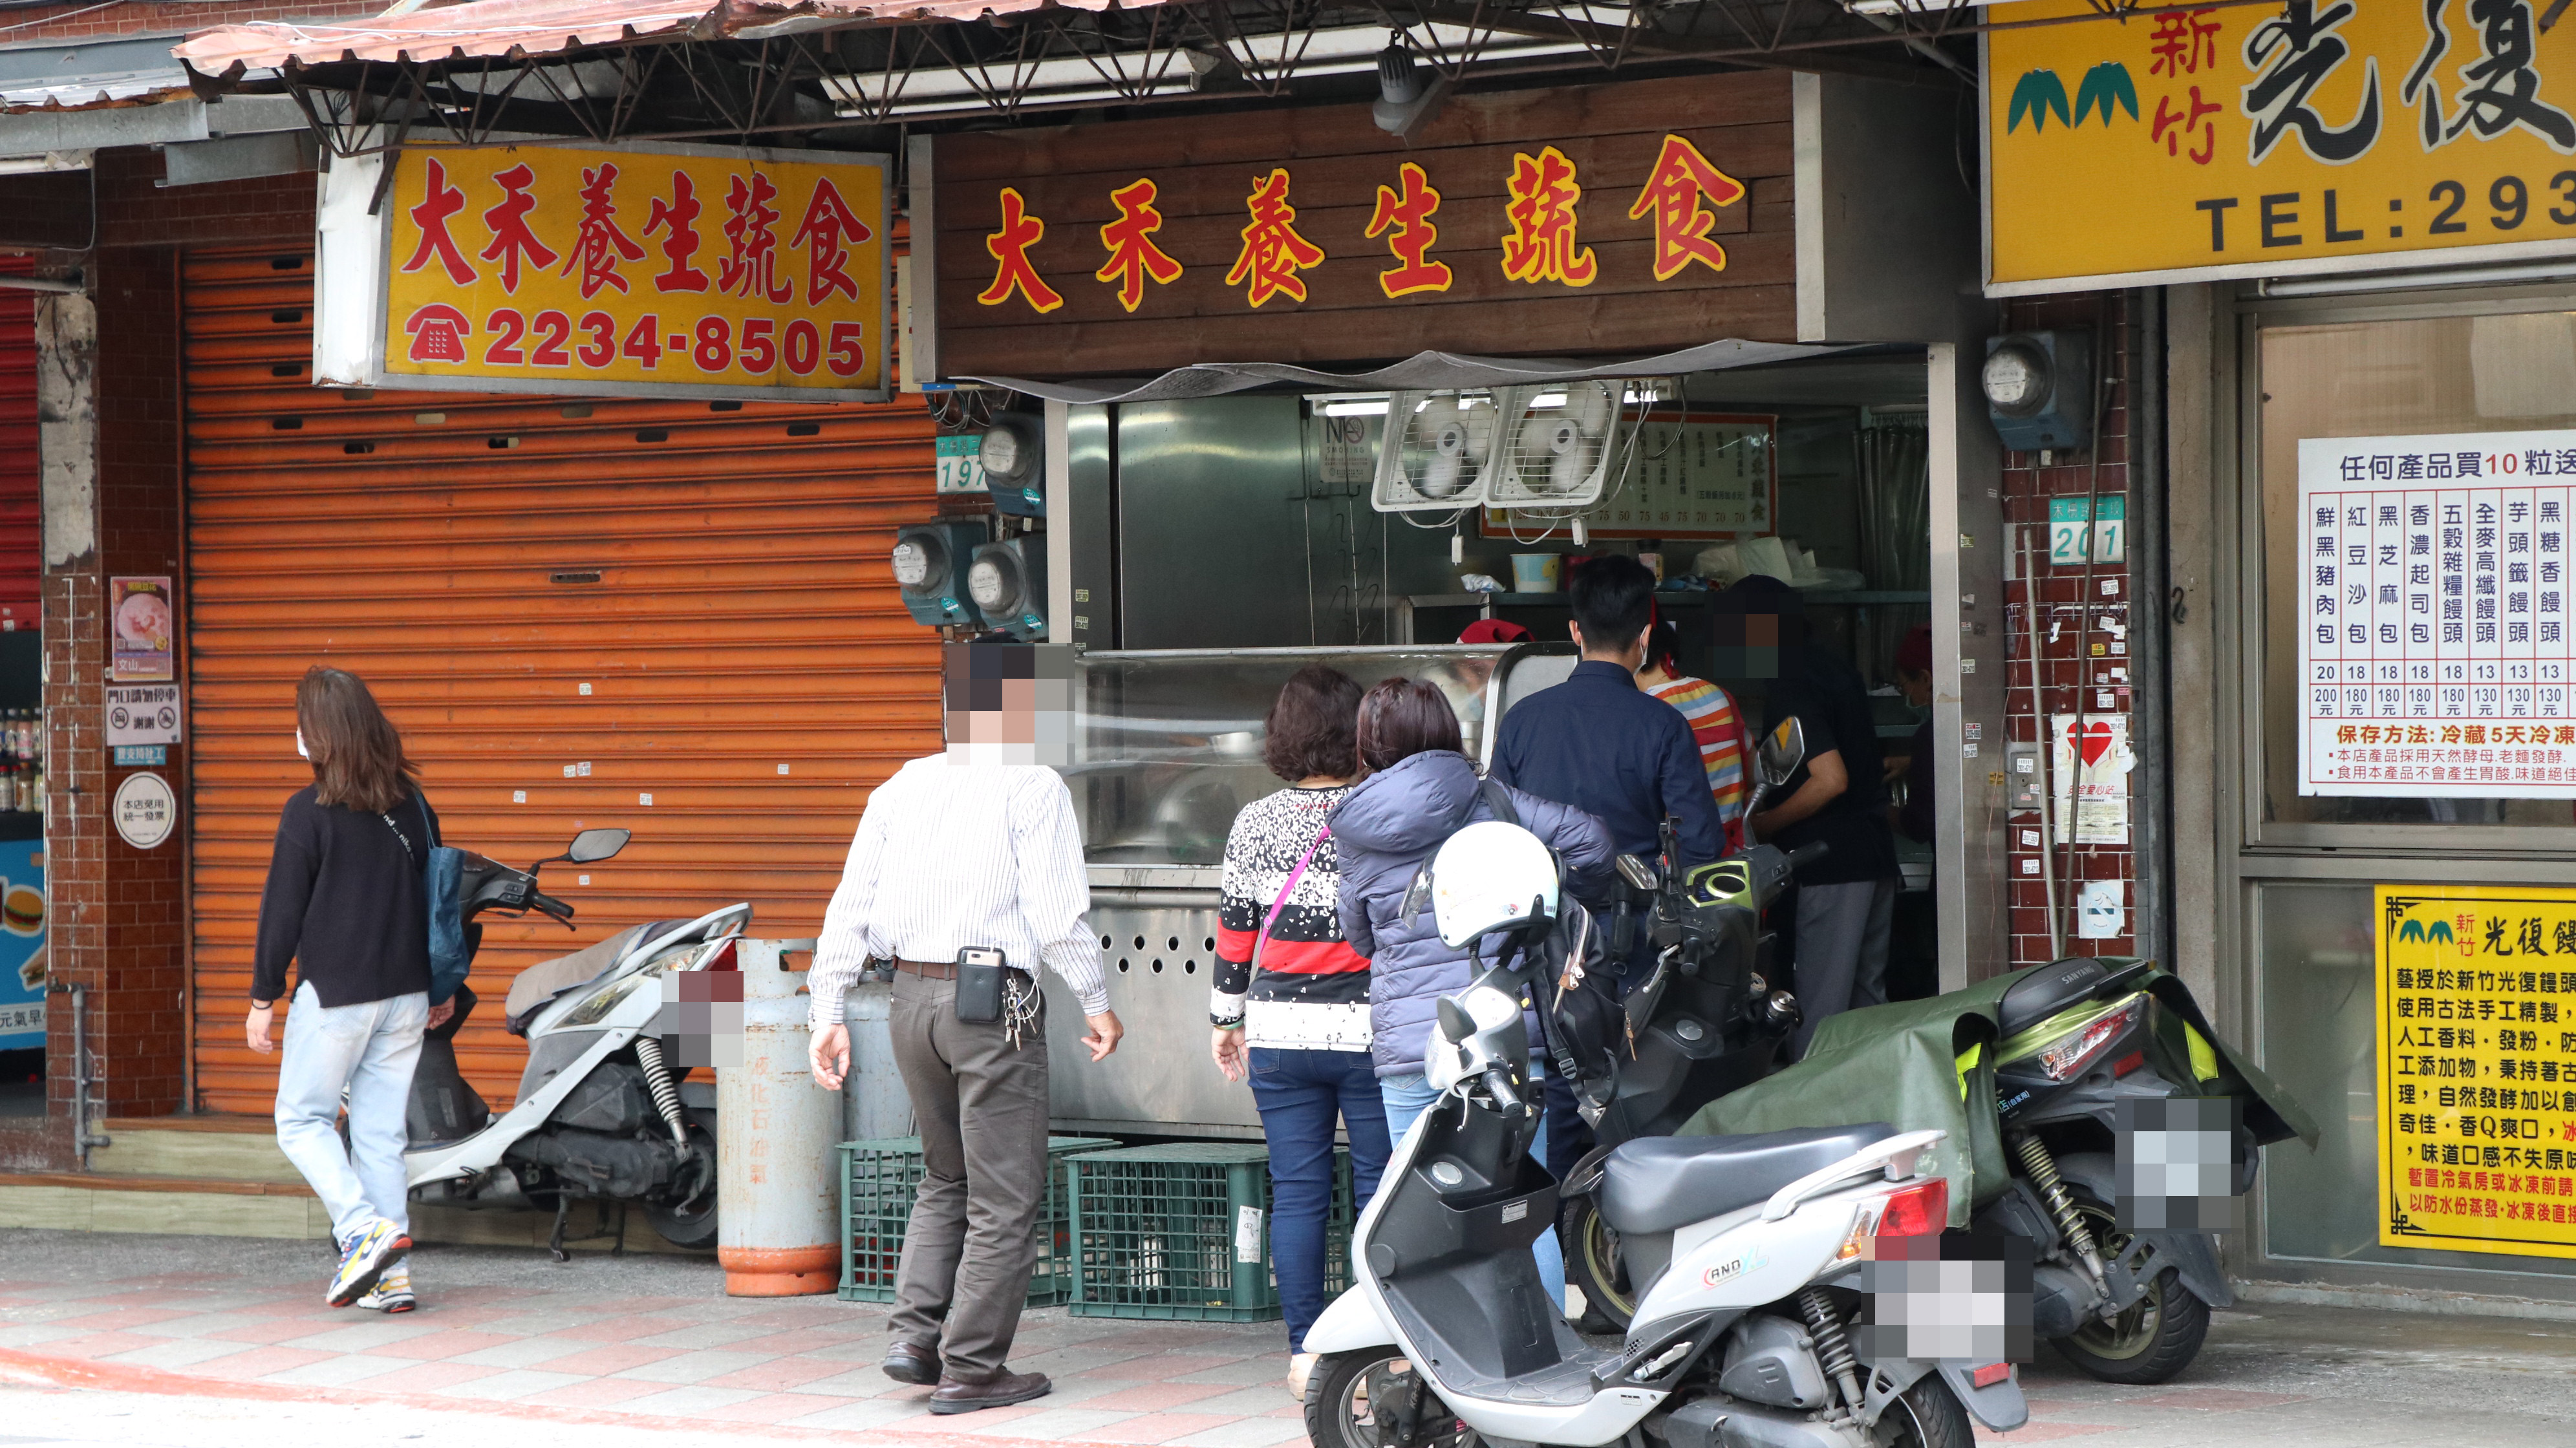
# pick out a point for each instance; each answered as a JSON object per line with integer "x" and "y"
{"x": 442, "y": 879}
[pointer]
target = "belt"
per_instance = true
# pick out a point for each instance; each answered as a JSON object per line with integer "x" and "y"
{"x": 928, "y": 969}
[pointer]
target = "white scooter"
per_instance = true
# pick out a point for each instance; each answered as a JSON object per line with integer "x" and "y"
{"x": 1747, "y": 1251}
{"x": 601, "y": 1114}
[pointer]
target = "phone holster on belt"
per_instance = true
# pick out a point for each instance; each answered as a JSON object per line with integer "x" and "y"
{"x": 980, "y": 984}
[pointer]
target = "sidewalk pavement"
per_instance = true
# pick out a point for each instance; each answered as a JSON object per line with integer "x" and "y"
{"x": 653, "y": 1343}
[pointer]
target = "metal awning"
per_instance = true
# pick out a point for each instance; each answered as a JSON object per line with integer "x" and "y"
{"x": 89, "y": 72}
{"x": 523, "y": 28}
{"x": 1422, "y": 372}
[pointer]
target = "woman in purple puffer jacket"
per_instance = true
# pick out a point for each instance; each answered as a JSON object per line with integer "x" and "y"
{"x": 1416, "y": 790}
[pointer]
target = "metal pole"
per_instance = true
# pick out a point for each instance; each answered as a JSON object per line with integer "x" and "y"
{"x": 2047, "y": 748}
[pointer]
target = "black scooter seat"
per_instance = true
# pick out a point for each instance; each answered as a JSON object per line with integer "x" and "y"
{"x": 1660, "y": 1183}
{"x": 2050, "y": 989}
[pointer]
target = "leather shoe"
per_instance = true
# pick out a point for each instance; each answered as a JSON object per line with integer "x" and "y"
{"x": 954, "y": 1395}
{"x": 911, "y": 1363}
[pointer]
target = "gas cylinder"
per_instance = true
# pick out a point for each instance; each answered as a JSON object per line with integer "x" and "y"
{"x": 779, "y": 1232}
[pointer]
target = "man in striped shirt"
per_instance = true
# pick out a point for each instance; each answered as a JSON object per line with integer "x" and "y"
{"x": 1716, "y": 725}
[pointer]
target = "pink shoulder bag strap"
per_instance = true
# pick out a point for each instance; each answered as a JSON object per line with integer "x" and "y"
{"x": 1295, "y": 875}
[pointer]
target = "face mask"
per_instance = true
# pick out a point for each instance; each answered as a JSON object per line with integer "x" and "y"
{"x": 299, "y": 745}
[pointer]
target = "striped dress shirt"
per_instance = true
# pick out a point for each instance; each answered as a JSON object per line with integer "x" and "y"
{"x": 955, "y": 855}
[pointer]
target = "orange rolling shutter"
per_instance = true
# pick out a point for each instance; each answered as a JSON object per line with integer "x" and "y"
{"x": 675, "y": 617}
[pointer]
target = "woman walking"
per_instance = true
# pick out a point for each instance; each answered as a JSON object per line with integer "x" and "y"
{"x": 1291, "y": 999}
{"x": 345, "y": 903}
{"x": 1416, "y": 790}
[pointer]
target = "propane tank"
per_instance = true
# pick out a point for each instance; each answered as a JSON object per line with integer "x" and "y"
{"x": 778, "y": 1233}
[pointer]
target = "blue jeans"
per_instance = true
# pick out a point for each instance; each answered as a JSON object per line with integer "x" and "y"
{"x": 368, "y": 1050}
{"x": 1407, "y": 1097}
{"x": 1300, "y": 1094}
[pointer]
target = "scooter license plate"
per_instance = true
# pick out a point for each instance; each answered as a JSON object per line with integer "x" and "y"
{"x": 2176, "y": 1163}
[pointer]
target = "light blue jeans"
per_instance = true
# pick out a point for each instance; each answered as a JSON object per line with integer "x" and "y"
{"x": 1407, "y": 1097}
{"x": 368, "y": 1050}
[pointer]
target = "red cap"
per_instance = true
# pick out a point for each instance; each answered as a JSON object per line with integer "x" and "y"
{"x": 1914, "y": 655}
{"x": 1494, "y": 631}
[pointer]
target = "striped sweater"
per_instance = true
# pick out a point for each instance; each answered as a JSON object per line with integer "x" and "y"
{"x": 1312, "y": 992}
{"x": 1718, "y": 729}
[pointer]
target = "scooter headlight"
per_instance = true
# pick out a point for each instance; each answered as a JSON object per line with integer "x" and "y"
{"x": 599, "y": 1007}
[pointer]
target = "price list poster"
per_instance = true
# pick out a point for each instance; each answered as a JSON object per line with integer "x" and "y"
{"x": 2433, "y": 641}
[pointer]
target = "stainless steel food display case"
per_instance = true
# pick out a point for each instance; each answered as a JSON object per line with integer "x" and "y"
{"x": 1166, "y": 748}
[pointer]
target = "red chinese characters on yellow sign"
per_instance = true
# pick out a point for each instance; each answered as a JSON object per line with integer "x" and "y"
{"x": 1012, "y": 269}
{"x": 1408, "y": 214}
{"x": 1273, "y": 253}
{"x": 1682, "y": 180}
{"x": 1133, "y": 256}
{"x": 1542, "y": 245}
{"x": 527, "y": 272}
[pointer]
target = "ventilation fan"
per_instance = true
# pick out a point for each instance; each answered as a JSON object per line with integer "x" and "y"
{"x": 1559, "y": 447}
{"x": 1436, "y": 450}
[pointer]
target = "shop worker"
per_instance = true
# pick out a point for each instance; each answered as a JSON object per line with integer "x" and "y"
{"x": 1847, "y": 899}
{"x": 967, "y": 875}
{"x": 1603, "y": 745}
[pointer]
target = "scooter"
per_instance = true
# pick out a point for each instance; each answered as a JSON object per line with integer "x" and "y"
{"x": 601, "y": 1115}
{"x": 1704, "y": 1021}
{"x": 1749, "y": 1249}
{"x": 2080, "y": 1037}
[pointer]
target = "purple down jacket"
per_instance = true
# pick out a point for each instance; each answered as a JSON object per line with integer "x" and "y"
{"x": 1385, "y": 829}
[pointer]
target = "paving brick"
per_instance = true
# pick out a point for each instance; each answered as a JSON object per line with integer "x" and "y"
{"x": 780, "y": 1375}
{"x": 512, "y": 1385}
{"x": 1155, "y": 1397}
{"x": 1244, "y": 1433}
{"x": 689, "y": 1401}
{"x": 597, "y": 1393}
{"x": 1157, "y": 1428}
{"x": 692, "y": 1367}
{"x": 605, "y": 1361}
{"x": 769, "y": 1408}
{"x": 431, "y": 1377}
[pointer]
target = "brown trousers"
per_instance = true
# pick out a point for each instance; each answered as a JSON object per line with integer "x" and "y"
{"x": 971, "y": 1245}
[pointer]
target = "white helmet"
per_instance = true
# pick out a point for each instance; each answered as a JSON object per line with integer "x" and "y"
{"x": 1491, "y": 876}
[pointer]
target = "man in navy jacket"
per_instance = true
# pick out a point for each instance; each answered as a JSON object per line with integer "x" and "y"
{"x": 1606, "y": 747}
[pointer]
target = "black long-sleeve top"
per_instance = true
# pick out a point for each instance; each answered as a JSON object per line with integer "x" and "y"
{"x": 344, "y": 901}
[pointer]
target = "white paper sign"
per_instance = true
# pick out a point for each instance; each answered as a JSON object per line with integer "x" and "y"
{"x": 2088, "y": 772}
{"x": 1247, "y": 1234}
{"x": 2433, "y": 647}
{"x": 2101, "y": 910}
{"x": 144, "y": 810}
{"x": 142, "y": 714}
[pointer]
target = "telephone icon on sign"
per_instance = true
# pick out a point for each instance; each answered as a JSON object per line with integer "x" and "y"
{"x": 438, "y": 333}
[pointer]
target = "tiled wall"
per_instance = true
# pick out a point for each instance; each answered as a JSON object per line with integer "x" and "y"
{"x": 2082, "y": 617}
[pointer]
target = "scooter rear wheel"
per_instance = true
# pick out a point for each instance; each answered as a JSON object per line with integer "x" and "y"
{"x": 1926, "y": 1415}
{"x": 1341, "y": 1398}
{"x": 1592, "y": 1263}
{"x": 2154, "y": 1339}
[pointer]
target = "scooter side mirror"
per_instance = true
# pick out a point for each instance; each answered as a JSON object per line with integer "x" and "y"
{"x": 1782, "y": 751}
{"x": 592, "y": 846}
{"x": 1416, "y": 895}
{"x": 1638, "y": 873}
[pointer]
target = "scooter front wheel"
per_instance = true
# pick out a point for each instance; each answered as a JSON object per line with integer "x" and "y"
{"x": 1926, "y": 1415}
{"x": 1354, "y": 1398}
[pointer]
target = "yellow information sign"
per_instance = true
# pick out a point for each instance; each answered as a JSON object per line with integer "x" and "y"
{"x": 2182, "y": 143}
{"x": 687, "y": 271}
{"x": 2477, "y": 1069}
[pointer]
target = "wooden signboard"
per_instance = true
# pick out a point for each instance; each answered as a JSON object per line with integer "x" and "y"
{"x": 1634, "y": 217}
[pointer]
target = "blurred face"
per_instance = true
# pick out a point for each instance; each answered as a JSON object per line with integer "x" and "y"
{"x": 1008, "y": 704}
{"x": 1915, "y": 686}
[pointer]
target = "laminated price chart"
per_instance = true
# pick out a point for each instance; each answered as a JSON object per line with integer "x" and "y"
{"x": 2433, "y": 645}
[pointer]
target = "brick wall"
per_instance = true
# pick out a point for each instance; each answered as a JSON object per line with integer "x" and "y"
{"x": 119, "y": 914}
{"x": 2082, "y": 613}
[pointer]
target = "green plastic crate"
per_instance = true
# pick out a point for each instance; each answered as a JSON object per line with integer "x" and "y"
{"x": 1182, "y": 1232}
{"x": 879, "y": 1180}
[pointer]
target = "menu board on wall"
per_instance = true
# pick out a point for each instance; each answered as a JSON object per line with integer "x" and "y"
{"x": 2434, "y": 655}
{"x": 1685, "y": 475}
{"x": 2477, "y": 1068}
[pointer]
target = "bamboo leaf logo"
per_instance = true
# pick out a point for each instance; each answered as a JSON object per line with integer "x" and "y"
{"x": 2101, "y": 86}
{"x": 2037, "y": 94}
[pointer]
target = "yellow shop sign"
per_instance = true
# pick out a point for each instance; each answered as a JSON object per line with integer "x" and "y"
{"x": 674, "y": 271}
{"x": 2186, "y": 143}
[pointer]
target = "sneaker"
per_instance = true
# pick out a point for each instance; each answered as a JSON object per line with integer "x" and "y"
{"x": 363, "y": 1260}
{"x": 392, "y": 1292}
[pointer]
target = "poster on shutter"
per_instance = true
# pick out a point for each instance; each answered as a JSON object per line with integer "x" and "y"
{"x": 144, "y": 624}
{"x": 2477, "y": 1068}
{"x": 22, "y": 944}
{"x": 2089, "y": 777}
{"x": 670, "y": 271}
{"x": 2433, "y": 648}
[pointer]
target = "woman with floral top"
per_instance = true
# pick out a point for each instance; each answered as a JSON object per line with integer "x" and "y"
{"x": 1291, "y": 999}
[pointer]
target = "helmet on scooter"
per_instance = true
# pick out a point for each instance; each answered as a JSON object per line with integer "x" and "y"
{"x": 1491, "y": 876}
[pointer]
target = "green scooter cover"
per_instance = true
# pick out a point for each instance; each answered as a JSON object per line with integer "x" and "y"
{"x": 1930, "y": 1065}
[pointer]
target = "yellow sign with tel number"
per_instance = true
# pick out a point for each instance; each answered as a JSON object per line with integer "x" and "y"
{"x": 2182, "y": 143}
{"x": 2477, "y": 1068}
{"x": 688, "y": 271}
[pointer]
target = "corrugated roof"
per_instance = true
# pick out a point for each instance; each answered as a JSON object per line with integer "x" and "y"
{"x": 551, "y": 27}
